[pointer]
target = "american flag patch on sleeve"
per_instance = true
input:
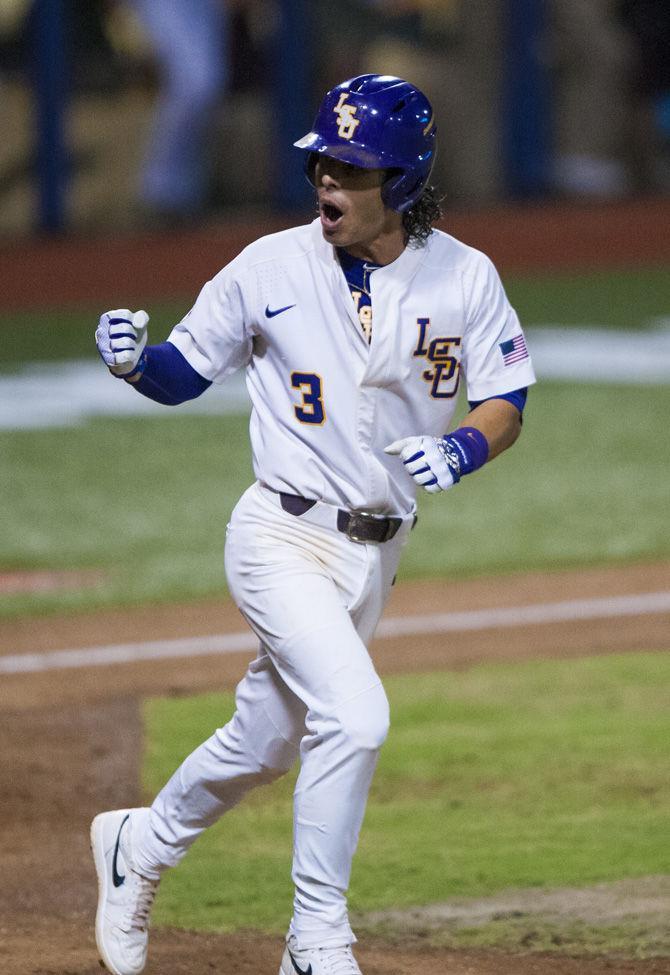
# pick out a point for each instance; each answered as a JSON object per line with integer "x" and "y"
{"x": 514, "y": 350}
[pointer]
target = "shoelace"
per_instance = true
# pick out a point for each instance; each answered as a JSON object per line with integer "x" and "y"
{"x": 341, "y": 961}
{"x": 143, "y": 893}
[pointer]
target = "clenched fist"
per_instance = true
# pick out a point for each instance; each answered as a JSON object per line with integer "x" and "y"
{"x": 121, "y": 337}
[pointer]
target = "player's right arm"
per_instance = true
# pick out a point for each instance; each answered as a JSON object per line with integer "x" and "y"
{"x": 159, "y": 372}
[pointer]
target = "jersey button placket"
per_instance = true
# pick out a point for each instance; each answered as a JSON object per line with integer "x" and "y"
{"x": 369, "y": 390}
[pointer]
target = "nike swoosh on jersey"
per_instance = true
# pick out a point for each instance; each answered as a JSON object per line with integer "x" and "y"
{"x": 118, "y": 879}
{"x": 300, "y": 971}
{"x": 271, "y": 312}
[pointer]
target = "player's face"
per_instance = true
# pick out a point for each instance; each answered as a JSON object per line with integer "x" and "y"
{"x": 352, "y": 212}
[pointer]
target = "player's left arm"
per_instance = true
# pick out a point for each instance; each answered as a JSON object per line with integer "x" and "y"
{"x": 494, "y": 353}
{"x": 491, "y": 426}
{"x": 499, "y": 419}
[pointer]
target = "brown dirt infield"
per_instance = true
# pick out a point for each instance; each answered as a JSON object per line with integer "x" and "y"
{"x": 71, "y": 742}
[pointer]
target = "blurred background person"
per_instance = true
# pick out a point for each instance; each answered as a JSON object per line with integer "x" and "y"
{"x": 590, "y": 55}
{"x": 189, "y": 39}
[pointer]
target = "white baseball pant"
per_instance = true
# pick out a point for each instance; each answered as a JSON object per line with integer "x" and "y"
{"x": 314, "y": 598}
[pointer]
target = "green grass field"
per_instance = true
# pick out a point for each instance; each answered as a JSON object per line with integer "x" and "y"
{"x": 146, "y": 501}
{"x": 514, "y": 775}
{"x": 621, "y": 299}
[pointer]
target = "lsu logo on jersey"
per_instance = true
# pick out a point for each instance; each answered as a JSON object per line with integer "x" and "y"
{"x": 346, "y": 123}
{"x": 364, "y": 309}
{"x": 446, "y": 367}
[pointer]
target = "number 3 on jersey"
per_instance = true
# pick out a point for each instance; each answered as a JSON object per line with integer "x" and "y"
{"x": 311, "y": 409}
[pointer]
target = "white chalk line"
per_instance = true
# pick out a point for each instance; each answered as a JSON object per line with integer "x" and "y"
{"x": 574, "y": 610}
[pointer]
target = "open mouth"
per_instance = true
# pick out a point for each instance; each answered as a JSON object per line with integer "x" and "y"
{"x": 330, "y": 215}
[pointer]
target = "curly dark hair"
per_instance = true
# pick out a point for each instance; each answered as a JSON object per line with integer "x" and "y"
{"x": 418, "y": 221}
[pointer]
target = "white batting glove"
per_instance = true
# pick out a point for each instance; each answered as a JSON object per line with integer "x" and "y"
{"x": 121, "y": 337}
{"x": 428, "y": 461}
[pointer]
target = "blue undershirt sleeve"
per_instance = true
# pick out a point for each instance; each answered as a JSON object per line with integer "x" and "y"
{"x": 516, "y": 398}
{"x": 164, "y": 375}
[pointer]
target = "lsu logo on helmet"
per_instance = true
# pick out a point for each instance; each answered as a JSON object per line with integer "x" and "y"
{"x": 347, "y": 124}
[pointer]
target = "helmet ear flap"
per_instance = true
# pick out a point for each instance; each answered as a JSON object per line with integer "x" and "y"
{"x": 401, "y": 190}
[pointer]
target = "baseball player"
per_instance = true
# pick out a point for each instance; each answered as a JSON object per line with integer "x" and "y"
{"x": 356, "y": 332}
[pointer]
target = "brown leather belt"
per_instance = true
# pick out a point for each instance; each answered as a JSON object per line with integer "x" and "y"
{"x": 359, "y": 526}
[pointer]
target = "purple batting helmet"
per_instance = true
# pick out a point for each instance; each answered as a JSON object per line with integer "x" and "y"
{"x": 377, "y": 121}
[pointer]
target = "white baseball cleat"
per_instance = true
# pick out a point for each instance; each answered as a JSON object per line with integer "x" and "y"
{"x": 318, "y": 961}
{"x": 124, "y": 896}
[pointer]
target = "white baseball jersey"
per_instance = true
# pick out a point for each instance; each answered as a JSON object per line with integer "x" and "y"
{"x": 325, "y": 403}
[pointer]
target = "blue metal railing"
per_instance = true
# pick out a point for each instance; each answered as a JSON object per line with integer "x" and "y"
{"x": 293, "y": 106}
{"x": 526, "y": 100}
{"x": 49, "y": 73}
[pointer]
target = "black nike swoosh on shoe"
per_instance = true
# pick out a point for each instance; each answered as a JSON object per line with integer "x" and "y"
{"x": 117, "y": 878}
{"x": 299, "y": 970}
{"x": 271, "y": 312}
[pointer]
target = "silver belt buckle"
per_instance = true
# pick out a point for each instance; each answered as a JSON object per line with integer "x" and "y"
{"x": 357, "y": 520}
